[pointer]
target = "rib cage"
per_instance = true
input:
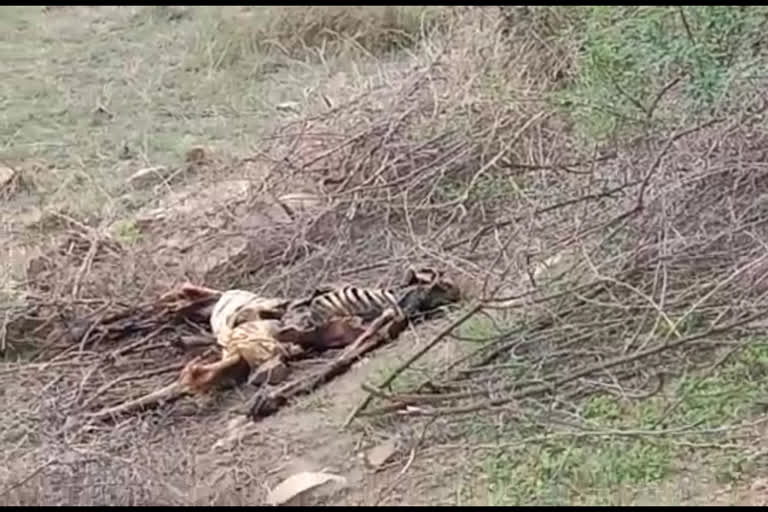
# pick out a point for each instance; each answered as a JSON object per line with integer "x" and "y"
{"x": 369, "y": 303}
{"x": 229, "y": 303}
{"x": 352, "y": 301}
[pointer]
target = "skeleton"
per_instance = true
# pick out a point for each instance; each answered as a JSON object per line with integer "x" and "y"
{"x": 253, "y": 334}
{"x": 346, "y": 308}
{"x": 423, "y": 291}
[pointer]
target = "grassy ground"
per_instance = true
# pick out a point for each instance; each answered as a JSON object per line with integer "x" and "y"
{"x": 93, "y": 96}
{"x": 700, "y": 426}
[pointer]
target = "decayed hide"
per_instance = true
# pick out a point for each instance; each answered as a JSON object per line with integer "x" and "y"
{"x": 247, "y": 327}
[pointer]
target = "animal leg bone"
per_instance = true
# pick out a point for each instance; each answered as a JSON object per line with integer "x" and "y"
{"x": 199, "y": 378}
{"x": 194, "y": 378}
{"x": 191, "y": 292}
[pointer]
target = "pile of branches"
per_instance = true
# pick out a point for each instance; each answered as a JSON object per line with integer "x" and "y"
{"x": 674, "y": 280}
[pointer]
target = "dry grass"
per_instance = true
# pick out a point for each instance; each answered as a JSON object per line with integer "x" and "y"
{"x": 312, "y": 32}
{"x": 162, "y": 80}
{"x": 427, "y": 136}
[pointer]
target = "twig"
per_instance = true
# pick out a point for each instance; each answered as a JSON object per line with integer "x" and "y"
{"x": 130, "y": 377}
{"x": 657, "y": 162}
{"x": 688, "y": 31}
{"x": 169, "y": 393}
{"x": 674, "y": 405}
{"x": 26, "y": 479}
{"x": 397, "y": 371}
{"x": 409, "y": 462}
{"x": 85, "y": 266}
{"x": 405, "y": 400}
{"x": 263, "y": 406}
{"x": 660, "y": 95}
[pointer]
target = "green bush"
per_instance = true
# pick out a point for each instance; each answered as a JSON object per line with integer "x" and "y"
{"x": 628, "y": 59}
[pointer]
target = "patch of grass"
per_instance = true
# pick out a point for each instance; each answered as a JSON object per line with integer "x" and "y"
{"x": 310, "y": 33}
{"x": 708, "y": 402}
{"x": 127, "y": 231}
{"x": 478, "y": 329}
{"x": 485, "y": 188}
{"x": 549, "y": 474}
{"x": 383, "y": 367}
{"x": 592, "y": 469}
{"x": 97, "y": 93}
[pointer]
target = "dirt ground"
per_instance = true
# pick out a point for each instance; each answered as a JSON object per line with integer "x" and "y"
{"x": 204, "y": 451}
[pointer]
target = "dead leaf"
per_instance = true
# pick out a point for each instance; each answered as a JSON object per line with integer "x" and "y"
{"x": 6, "y": 175}
{"x": 298, "y": 484}
{"x": 288, "y": 106}
{"x": 379, "y": 455}
{"x": 148, "y": 174}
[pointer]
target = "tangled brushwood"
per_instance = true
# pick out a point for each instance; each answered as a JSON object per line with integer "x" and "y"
{"x": 658, "y": 289}
{"x": 591, "y": 269}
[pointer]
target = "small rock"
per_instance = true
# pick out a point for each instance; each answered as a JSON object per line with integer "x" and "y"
{"x": 273, "y": 371}
{"x": 379, "y": 455}
{"x": 126, "y": 153}
{"x": 195, "y": 155}
{"x": 99, "y": 115}
{"x": 297, "y": 486}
